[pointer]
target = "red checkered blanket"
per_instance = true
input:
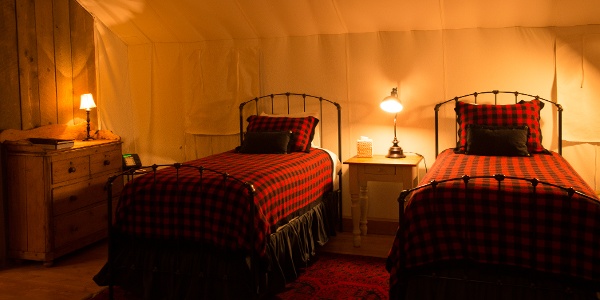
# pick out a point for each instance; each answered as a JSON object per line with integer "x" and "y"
{"x": 185, "y": 205}
{"x": 501, "y": 222}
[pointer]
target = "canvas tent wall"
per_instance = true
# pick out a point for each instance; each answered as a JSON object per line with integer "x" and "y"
{"x": 161, "y": 63}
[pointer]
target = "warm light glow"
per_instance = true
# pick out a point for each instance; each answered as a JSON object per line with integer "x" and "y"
{"x": 87, "y": 102}
{"x": 391, "y": 103}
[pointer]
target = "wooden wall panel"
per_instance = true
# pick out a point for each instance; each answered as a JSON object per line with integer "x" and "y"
{"x": 10, "y": 104}
{"x": 28, "y": 68}
{"x": 84, "y": 58}
{"x": 64, "y": 65}
{"x": 45, "y": 52}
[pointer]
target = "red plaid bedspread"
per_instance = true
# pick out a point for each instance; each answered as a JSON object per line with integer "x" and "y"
{"x": 483, "y": 223}
{"x": 207, "y": 210}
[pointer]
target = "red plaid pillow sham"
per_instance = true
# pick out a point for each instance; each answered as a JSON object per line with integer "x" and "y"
{"x": 524, "y": 113}
{"x": 303, "y": 129}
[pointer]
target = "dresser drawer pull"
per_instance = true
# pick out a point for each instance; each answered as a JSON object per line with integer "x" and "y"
{"x": 107, "y": 162}
{"x": 73, "y": 198}
{"x": 72, "y": 169}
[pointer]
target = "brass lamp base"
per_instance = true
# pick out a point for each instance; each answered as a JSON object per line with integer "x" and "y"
{"x": 395, "y": 152}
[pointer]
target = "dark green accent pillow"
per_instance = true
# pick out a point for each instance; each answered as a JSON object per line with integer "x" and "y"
{"x": 266, "y": 142}
{"x": 497, "y": 140}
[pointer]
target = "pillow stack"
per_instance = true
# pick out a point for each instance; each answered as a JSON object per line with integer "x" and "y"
{"x": 486, "y": 129}
{"x": 277, "y": 135}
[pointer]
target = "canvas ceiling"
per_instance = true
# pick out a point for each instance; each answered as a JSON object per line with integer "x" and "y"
{"x": 185, "y": 21}
{"x": 168, "y": 70}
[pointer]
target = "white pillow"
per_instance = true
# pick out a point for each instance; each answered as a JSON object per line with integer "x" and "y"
{"x": 316, "y": 142}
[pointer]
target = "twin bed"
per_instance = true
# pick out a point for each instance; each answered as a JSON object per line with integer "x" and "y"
{"x": 234, "y": 225}
{"x": 498, "y": 216}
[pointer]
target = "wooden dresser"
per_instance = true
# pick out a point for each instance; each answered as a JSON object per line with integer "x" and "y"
{"x": 56, "y": 199}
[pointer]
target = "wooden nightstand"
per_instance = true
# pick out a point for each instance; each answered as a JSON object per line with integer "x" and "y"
{"x": 376, "y": 168}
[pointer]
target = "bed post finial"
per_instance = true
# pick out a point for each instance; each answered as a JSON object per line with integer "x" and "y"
{"x": 571, "y": 191}
{"x": 499, "y": 177}
{"x": 466, "y": 178}
{"x": 534, "y": 182}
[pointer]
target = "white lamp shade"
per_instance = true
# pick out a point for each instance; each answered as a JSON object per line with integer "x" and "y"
{"x": 87, "y": 102}
{"x": 391, "y": 104}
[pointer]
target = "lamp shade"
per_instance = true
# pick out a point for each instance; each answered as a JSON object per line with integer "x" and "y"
{"x": 391, "y": 103}
{"x": 87, "y": 102}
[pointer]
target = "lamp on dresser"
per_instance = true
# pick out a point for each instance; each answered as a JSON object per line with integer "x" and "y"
{"x": 87, "y": 103}
{"x": 392, "y": 104}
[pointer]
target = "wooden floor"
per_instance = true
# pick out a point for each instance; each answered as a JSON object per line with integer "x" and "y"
{"x": 70, "y": 278}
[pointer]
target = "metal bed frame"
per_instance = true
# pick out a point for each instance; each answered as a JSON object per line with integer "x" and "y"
{"x": 272, "y": 98}
{"x": 500, "y": 178}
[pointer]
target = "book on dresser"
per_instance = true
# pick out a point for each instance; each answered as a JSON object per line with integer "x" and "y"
{"x": 50, "y": 143}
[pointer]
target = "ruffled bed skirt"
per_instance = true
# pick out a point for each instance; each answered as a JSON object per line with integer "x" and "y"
{"x": 159, "y": 270}
{"x": 474, "y": 281}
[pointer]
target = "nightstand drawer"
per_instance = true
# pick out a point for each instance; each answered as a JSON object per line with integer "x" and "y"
{"x": 106, "y": 161}
{"x": 68, "y": 169}
{"x": 380, "y": 170}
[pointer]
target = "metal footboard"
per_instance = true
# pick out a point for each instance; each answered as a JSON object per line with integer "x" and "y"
{"x": 500, "y": 179}
{"x": 130, "y": 175}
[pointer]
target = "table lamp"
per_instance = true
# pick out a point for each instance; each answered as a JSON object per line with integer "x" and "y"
{"x": 392, "y": 104}
{"x": 87, "y": 103}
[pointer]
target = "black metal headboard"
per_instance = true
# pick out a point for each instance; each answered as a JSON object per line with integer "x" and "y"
{"x": 495, "y": 93}
{"x": 273, "y": 102}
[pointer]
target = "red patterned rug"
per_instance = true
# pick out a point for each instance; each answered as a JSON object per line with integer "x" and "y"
{"x": 338, "y": 276}
{"x": 330, "y": 276}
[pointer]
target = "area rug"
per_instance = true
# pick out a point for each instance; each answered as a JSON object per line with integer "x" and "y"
{"x": 340, "y": 276}
{"x": 329, "y": 276}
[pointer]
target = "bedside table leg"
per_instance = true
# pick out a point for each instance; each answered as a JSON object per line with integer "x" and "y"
{"x": 355, "y": 210}
{"x": 364, "y": 205}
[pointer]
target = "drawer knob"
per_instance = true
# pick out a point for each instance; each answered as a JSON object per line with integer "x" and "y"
{"x": 73, "y": 198}
{"x": 106, "y": 162}
{"x": 72, "y": 169}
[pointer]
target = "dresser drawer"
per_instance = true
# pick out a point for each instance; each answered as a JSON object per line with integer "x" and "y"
{"x": 380, "y": 170}
{"x": 75, "y": 196}
{"x": 106, "y": 161}
{"x": 68, "y": 169}
{"x": 71, "y": 227}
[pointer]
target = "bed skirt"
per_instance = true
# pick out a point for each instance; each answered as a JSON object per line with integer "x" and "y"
{"x": 177, "y": 270}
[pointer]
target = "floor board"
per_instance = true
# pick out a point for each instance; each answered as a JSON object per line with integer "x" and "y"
{"x": 71, "y": 276}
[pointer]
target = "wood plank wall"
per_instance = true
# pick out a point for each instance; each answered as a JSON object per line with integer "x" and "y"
{"x": 47, "y": 60}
